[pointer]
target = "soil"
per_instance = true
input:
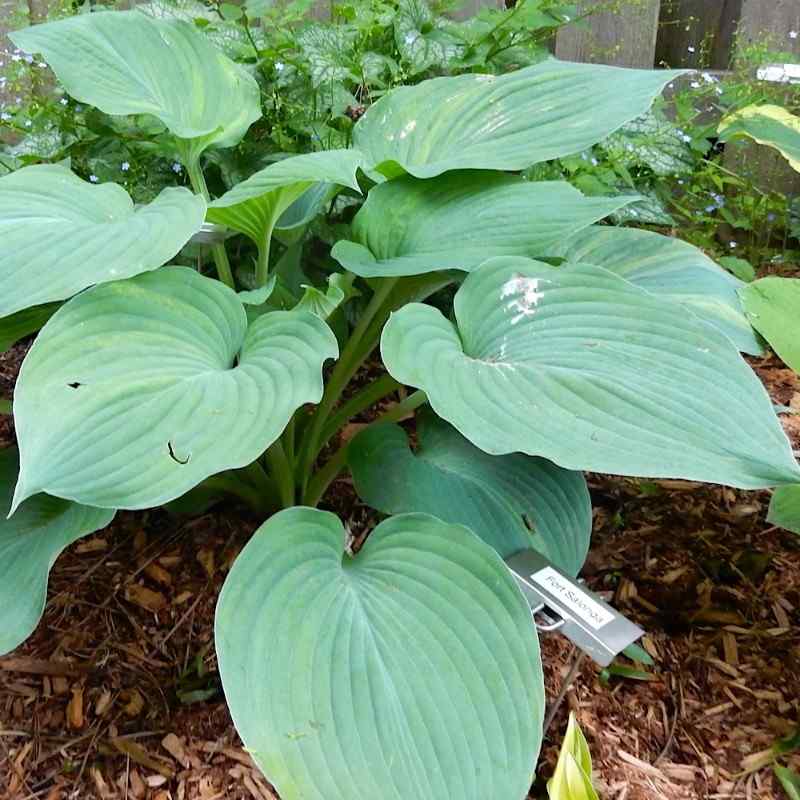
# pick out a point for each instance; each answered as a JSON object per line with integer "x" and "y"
{"x": 116, "y": 694}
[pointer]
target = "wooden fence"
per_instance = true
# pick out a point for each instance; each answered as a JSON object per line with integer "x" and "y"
{"x": 638, "y": 33}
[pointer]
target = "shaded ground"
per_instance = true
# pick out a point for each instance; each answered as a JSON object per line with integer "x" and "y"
{"x": 116, "y": 694}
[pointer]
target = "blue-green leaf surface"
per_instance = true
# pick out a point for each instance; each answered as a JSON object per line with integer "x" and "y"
{"x": 670, "y": 267}
{"x": 506, "y": 122}
{"x": 30, "y": 542}
{"x": 409, "y": 670}
{"x": 126, "y": 62}
{"x": 158, "y": 383}
{"x": 409, "y": 226}
{"x": 512, "y": 502}
{"x": 61, "y": 234}
{"x": 578, "y": 365}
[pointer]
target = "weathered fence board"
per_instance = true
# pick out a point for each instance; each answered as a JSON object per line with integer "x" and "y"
{"x": 776, "y": 20}
{"x": 625, "y": 39}
{"x": 697, "y": 33}
{"x": 469, "y": 8}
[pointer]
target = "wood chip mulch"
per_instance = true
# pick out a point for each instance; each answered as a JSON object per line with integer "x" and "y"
{"x": 116, "y": 695}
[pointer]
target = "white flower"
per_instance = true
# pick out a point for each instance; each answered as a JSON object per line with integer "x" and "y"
{"x": 64, "y": 101}
{"x": 718, "y": 90}
{"x": 410, "y": 38}
{"x": 15, "y": 57}
{"x": 28, "y": 123}
{"x": 695, "y": 85}
{"x": 690, "y": 49}
{"x": 793, "y": 34}
{"x": 686, "y": 138}
{"x": 279, "y": 66}
{"x": 5, "y": 116}
{"x": 176, "y": 168}
{"x": 93, "y": 178}
{"x": 124, "y": 166}
{"x": 42, "y": 64}
{"x": 595, "y": 162}
{"x": 733, "y": 245}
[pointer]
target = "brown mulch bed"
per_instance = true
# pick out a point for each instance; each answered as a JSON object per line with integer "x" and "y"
{"x": 116, "y": 694}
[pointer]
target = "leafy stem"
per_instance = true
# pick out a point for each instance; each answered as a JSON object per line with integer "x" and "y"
{"x": 319, "y": 484}
{"x": 350, "y": 360}
{"x": 198, "y": 181}
{"x": 282, "y": 473}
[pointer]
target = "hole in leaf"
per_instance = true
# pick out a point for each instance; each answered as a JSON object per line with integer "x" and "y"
{"x": 174, "y": 457}
{"x": 74, "y": 384}
{"x": 528, "y": 523}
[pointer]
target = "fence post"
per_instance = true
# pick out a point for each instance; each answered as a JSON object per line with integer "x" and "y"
{"x": 775, "y": 21}
{"x": 624, "y": 38}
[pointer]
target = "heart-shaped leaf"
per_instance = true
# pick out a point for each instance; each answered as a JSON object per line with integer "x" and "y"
{"x": 409, "y": 226}
{"x": 159, "y": 383}
{"x": 667, "y": 266}
{"x": 773, "y": 307}
{"x": 580, "y": 366}
{"x": 61, "y": 234}
{"x": 505, "y": 122}
{"x": 126, "y": 62}
{"x": 29, "y": 544}
{"x": 409, "y": 670}
{"x": 512, "y": 502}
{"x": 255, "y": 205}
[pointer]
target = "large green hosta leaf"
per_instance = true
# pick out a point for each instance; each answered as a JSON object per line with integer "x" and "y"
{"x": 61, "y": 234}
{"x": 135, "y": 391}
{"x": 125, "y": 62}
{"x": 773, "y": 307}
{"x": 512, "y": 502}
{"x": 409, "y": 670}
{"x": 255, "y": 206}
{"x": 580, "y": 366}
{"x": 409, "y": 226}
{"x": 503, "y": 122}
{"x": 667, "y": 266}
{"x": 29, "y": 544}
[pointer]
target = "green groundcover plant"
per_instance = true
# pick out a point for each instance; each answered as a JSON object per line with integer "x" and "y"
{"x": 536, "y": 343}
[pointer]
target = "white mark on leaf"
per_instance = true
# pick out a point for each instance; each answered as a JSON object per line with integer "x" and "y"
{"x": 525, "y": 296}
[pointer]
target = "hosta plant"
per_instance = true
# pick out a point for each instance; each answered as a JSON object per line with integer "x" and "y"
{"x": 534, "y": 343}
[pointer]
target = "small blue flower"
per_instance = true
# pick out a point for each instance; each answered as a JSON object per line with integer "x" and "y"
{"x": 93, "y": 178}
{"x": 124, "y": 166}
{"x": 177, "y": 168}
